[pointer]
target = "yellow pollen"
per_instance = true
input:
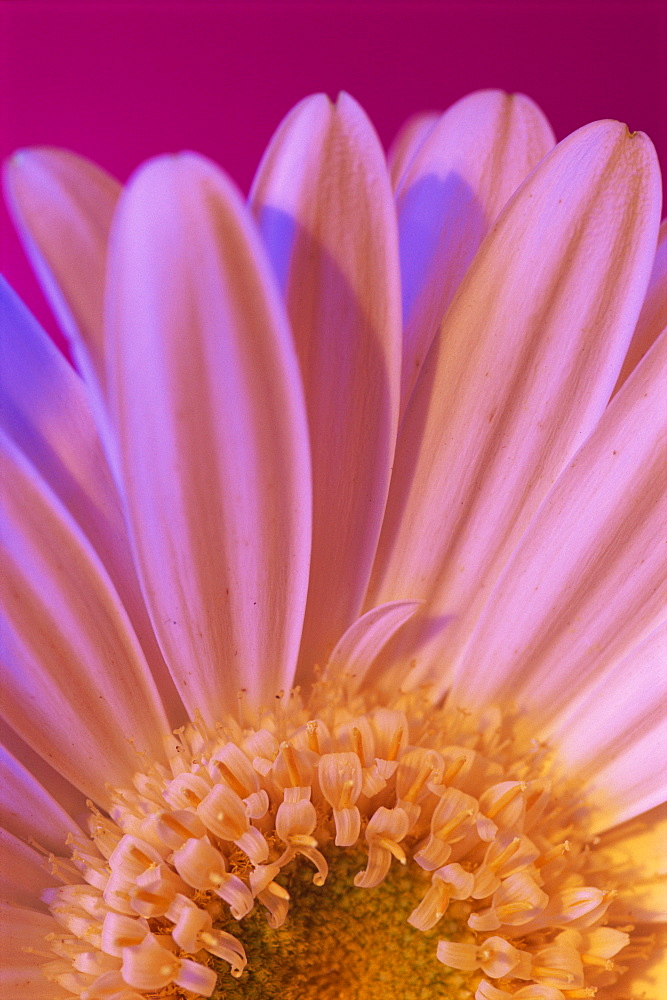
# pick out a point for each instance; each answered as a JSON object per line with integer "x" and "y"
{"x": 231, "y": 779}
{"x": 505, "y": 855}
{"x": 346, "y": 794}
{"x": 603, "y": 963}
{"x": 292, "y": 766}
{"x": 358, "y": 743}
{"x": 395, "y": 744}
{"x": 454, "y": 822}
{"x": 415, "y": 788}
{"x": 313, "y": 741}
{"x": 551, "y": 855}
{"x": 505, "y": 799}
{"x": 453, "y": 769}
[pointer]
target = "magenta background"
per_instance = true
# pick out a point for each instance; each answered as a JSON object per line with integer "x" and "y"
{"x": 120, "y": 81}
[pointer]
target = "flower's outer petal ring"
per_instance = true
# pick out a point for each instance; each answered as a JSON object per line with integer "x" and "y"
{"x": 459, "y": 179}
{"x": 208, "y": 405}
{"x": 356, "y": 650}
{"x": 22, "y": 929}
{"x": 615, "y": 734}
{"x": 653, "y": 317}
{"x": 27, "y": 983}
{"x": 409, "y": 140}
{"x": 28, "y": 810}
{"x": 62, "y": 206}
{"x": 65, "y": 794}
{"x": 77, "y": 687}
{"x": 586, "y": 585}
{"x": 24, "y": 873}
{"x": 325, "y": 210}
{"x": 47, "y": 415}
{"x": 508, "y": 392}
{"x": 637, "y": 849}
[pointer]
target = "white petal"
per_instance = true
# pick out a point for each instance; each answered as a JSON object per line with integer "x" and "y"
{"x": 653, "y": 317}
{"x": 365, "y": 639}
{"x": 76, "y": 686}
{"x": 409, "y": 139}
{"x": 615, "y": 736}
{"x": 207, "y": 401}
{"x": 46, "y": 413}
{"x": 62, "y": 205}
{"x": 586, "y": 585}
{"x": 325, "y": 210}
{"x": 524, "y": 366}
{"x": 464, "y": 171}
{"x": 27, "y": 809}
{"x": 24, "y": 873}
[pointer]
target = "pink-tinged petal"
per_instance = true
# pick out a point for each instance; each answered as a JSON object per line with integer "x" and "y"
{"x": 653, "y": 317}
{"x": 586, "y": 585}
{"x": 24, "y": 873}
{"x": 325, "y": 210}
{"x": 22, "y": 933}
{"x": 615, "y": 734}
{"x": 72, "y": 801}
{"x": 45, "y": 411}
{"x": 27, "y": 810}
{"x": 638, "y": 851}
{"x": 357, "y": 650}
{"x": 527, "y": 358}
{"x": 210, "y": 417}
{"x": 62, "y": 206}
{"x": 466, "y": 169}
{"x": 28, "y": 983}
{"x": 77, "y": 688}
{"x": 409, "y": 140}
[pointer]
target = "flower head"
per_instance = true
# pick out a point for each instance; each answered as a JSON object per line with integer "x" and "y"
{"x": 335, "y": 604}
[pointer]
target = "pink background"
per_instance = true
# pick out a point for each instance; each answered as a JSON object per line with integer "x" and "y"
{"x": 120, "y": 81}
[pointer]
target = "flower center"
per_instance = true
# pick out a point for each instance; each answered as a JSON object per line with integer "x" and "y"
{"x": 339, "y": 942}
{"x": 339, "y": 848}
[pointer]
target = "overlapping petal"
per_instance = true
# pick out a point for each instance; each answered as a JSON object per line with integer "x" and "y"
{"x": 28, "y": 810}
{"x": 77, "y": 686}
{"x": 62, "y": 205}
{"x": 653, "y": 317}
{"x": 525, "y": 362}
{"x": 325, "y": 210}
{"x": 464, "y": 170}
{"x": 586, "y": 586}
{"x": 408, "y": 141}
{"x": 46, "y": 413}
{"x": 209, "y": 413}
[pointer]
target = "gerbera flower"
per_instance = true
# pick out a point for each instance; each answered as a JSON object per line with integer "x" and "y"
{"x": 334, "y": 591}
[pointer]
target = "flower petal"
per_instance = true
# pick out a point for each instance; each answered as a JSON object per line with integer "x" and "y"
{"x": 653, "y": 317}
{"x": 465, "y": 170}
{"x": 62, "y": 206}
{"x": 638, "y": 850}
{"x": 361, "y": 644}
{"x": 207, "y": 399}
{"x": 77, "y": 687}
{"x": 46, "y": 413}
{"x": 26, "y": 808}
{"x": 525, "y": 363}
{"x": 586, "y": 584}
{"x": 409, "y": 140}
{"x": 325, "y": 210}
{"x": 22, "y": 930}
{"x": 24, "y": 873}
{"x": 615, "y": 736}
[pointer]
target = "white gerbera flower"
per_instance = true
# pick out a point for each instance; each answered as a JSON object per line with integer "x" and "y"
{"x": 336, "y": 584}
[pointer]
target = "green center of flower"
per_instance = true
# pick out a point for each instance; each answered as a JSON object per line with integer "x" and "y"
{"x": 343, "y": 943}
{"x": 342, "y": 849}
